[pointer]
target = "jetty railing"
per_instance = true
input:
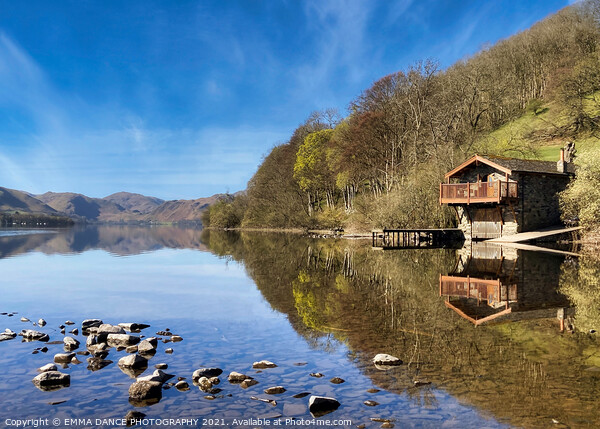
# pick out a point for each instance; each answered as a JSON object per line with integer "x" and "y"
{"x": 417, "y": 238}
{"x": 477, "y": 192}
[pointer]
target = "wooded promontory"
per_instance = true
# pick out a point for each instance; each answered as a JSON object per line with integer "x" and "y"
{"x": 381, "y": 165}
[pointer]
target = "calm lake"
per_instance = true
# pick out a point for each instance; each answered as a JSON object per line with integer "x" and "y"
{"x": 478, "y": 329}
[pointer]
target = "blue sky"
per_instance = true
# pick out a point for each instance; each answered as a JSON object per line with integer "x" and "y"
{"x": 182, "y": 99}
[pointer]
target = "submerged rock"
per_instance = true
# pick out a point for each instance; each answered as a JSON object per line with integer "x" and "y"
{"x": 31, "y": 335}
{"x": 276, "y": 390}
{"x": 204, "y": 384}
{"x": 370, "y": 403}
{"x": 161, "y": 366}
{"x": 48, "y": 367}
{"x": 90, "y": 323}
{"x": 148, "y": 345}
{"x": 63, "y": 357}
{"x": 132, "y": 417}
{"x": 49, "y": 380}
{"x": 236, "y": 377}
{"x": 41, "y": 322}
{"x": 182, "y": 385}
{"x": 385, "y": 359}
{"x": 263, "y": 364}
{"x": 133, "y": 361}
{"x": 321, "y": 405}
{"x": 122, "y": 340}
{"x": 157, "y": 375}
{"x": 206, "y": 372}
{"x": 316, "y": 374}
{"x": 143, "y": 393}
{"x": 249, "y": 382}
{"x": 97, "y": 363}
{"x": 133, "y": 327}
{"x": 25, "y": 319}
{"x": 337, "y": 380}
{"x": 98, "y": 350}
{"x": 70, "y": 343}
{"x": 106, "y": 328}
{"x": 7, "y": 335}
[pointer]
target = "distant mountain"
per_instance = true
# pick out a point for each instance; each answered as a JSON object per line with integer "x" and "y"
{"x": 122, "y": 207}
{"x": 184, "y": 210}
{"x": 135, "y": 203}
{"x": 81, "y": 207}
{"x": 12, "y": 200}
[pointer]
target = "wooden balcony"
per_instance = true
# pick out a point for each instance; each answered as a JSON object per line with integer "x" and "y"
{"x": 491, "y": 292}
{"x": 478, "y": 192}
{"x": 490, "y": 299}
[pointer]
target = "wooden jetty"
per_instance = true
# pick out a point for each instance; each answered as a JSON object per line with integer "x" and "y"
{"x": 416, "y": 238}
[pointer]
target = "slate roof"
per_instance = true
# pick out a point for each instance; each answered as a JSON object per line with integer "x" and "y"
{"x": 511, "y": 165}
{"x": 529, "y": 165}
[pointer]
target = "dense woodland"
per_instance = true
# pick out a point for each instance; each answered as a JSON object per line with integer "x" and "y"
{"x": 381, "y": 165}
{"x": 33, "y": 219}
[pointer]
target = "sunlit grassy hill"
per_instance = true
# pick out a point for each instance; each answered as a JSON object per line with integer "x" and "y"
{"x": 541, "y": 132}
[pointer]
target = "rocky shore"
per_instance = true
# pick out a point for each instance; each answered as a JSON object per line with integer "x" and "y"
{"x": 95, "y": 342}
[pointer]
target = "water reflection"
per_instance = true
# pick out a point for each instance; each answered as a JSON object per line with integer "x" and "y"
{"x": 491, "y": 282}
{"x": 517, "y": 366}
{"x": 119, "y": 240}
{"x": 347, "y": 303}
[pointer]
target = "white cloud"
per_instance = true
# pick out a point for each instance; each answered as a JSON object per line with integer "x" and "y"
{"x": 107, "y": 155}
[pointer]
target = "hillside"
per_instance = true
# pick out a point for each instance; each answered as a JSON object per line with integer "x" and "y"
{"x": 78, "y": 206}
{"x": 135, "y": 203}
{"x": 183, "y": 210}
{"x": 18, "y": 201}
{"x": 121, "y": 207}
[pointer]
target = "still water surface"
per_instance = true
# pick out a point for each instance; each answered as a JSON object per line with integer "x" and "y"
{"x": 491, "y": 355}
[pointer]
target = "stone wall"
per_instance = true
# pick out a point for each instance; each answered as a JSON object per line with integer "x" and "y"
{"x": 539, "y": 200}
{"x": 511, "y": 225}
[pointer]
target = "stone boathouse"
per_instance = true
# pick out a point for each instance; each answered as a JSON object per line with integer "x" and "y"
{"x": 495, "y": 196}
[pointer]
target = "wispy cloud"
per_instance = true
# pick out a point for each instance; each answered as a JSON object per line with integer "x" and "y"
{"x": 109, "y": 155}
{"x": 338, "y": 31}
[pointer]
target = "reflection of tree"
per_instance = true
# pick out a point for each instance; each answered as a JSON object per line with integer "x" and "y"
{"x": 312, "y": 314}
{"x": 581, "y": 284}
{"x": 341, "y": 291}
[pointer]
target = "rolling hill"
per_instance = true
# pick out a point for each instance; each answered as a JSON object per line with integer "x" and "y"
{"x": 135, "y": 202}
{"x": 18, "y": 201}
{"x": 121, "y": 207}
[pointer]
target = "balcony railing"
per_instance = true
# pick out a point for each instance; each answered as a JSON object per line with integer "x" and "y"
{"x": 478, "y": 192}
{"x": 491, "y": 291}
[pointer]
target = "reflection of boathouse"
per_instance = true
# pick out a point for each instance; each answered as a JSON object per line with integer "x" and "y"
{"x": 489, "y": 282}
{"x": 495, "y": 196}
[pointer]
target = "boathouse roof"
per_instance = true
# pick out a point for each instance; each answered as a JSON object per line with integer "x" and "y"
{"x": 511, "y": 165}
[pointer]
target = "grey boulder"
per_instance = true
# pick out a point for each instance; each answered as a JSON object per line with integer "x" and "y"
{"x": 49, "y": 379}
{"x": 31, "y": 335}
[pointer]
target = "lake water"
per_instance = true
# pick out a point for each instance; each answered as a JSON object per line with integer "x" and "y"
{"x": 477, "y": 329}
